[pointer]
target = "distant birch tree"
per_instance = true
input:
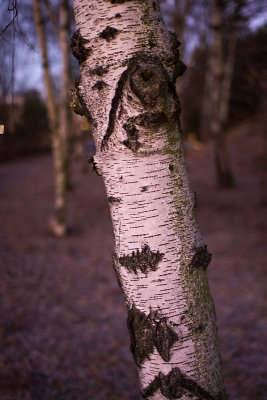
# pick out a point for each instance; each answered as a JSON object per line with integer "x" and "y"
{"x": 129, "y": 64}
{"x": 58, "y": 112}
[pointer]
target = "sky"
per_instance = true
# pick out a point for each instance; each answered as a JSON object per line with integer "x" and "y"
{"x": 28, "y": 71}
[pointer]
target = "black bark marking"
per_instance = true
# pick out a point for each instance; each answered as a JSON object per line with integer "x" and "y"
{"x": 154, "y": 64}
{"x": 200, "y": 328}
{"x": 148, "y": 83}
{"x": 109, "y": 33}
{"x": 75, "y": 104}
{"x": 164, "y": 339}
{"x": 114, "y": 264}
{"x": 147, "y": 119}
{"x": 144, "y": 189}
{"x": 99, "y": 85}
{"x": 78, "y": 49}
{"x": 154, "y": 4}
{"x": 201, "y": 258}
{"x": 91, "y": 160}
{"x": 114, "y": 200}
{"x": 147, "y": 332}
{"x": 144, "y": 260}
{"x": 82, "y": 108}
{"x": 114, "y": 106}
{"x": 141, "y": 335}
{"x": 118, "y": 15}
{"x": 171, "y": 167}
{"x": 99, "y": 71}
{"x": 174, "y": 385}
{"x": 132, "y": 141}
{"x": 179, "y": 66}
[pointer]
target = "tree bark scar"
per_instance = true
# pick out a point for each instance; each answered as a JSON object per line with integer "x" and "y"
{"x": 99, "y": 85}
{"x": 179, "y": 66}
{"x": 109, "y": 33}
{"x": 78, "y": 49}
{"x": 176, "y": 384}
{"x": 99, "y": 71}
{"x": 201, "y": 259}
{"x": 147, "y": 332}
{"x": 82, "y": 105}
{"x": 75, "y": 104}
{"x": 132, "y": 141}
{"x": 114, "y": 200}
{"x": 142, "y": 260}
{"x": 91, "y": 160}
{"x": 148, "y": 81}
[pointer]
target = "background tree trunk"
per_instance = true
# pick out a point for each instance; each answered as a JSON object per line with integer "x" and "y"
{"x": 129, "y": 64}
{"x": 59, "y": 124}
{"x": 218, "y": 79}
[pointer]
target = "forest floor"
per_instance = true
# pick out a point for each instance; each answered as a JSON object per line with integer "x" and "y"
{"x": 62, "y": 316}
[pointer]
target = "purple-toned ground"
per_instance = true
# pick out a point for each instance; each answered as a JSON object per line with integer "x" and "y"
{"x": 63, "y": 321}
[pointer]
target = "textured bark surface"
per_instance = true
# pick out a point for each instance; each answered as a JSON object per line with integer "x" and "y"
{"x": 160, "y": 259}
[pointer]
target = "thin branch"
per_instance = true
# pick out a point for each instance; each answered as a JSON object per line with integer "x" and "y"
{"x": 14, "y": 9}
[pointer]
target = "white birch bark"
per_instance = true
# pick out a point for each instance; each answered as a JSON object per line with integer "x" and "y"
{"x": 129, "y": 64}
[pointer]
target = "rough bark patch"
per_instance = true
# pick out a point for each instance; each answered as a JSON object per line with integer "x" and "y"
{"x": 109, "y": 33}
{"x": 113, "y": 200}
{"x": 179, "y": 66}
{"x": 99, "y": 71}
{"x": 142, "y": 70}
{"x": 176, "y": 384}
{"x": 148, "y": 83}
{"x": 82, "y": 105}
{"x": 132, "y": 140}
{"x": 147, "y": 332}
{"x": 201, "y": 258}
{"x": 91, "y": 160}
{"x": 75, "y": 104}
{"x": 99, "y": 85}
{"x": 78, "y": 49}
{"x": 144, "y": 260}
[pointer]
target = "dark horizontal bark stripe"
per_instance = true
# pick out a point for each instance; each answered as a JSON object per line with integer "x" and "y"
{"x": 176, "y": 384}
{"x": 143, "y": 260}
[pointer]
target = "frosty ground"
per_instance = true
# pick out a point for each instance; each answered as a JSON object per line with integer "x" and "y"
{"x": 63, "y": 321}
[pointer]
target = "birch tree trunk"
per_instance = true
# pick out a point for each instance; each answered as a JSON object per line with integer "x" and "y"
{"x": 57, "y": 116}
{"x": 129, "y": 64}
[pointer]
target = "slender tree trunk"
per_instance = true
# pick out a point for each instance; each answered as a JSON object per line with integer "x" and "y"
{"x": 58, "y": 126}
{"x": 219, "y": 89}
{"x": 129, "y": 64}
